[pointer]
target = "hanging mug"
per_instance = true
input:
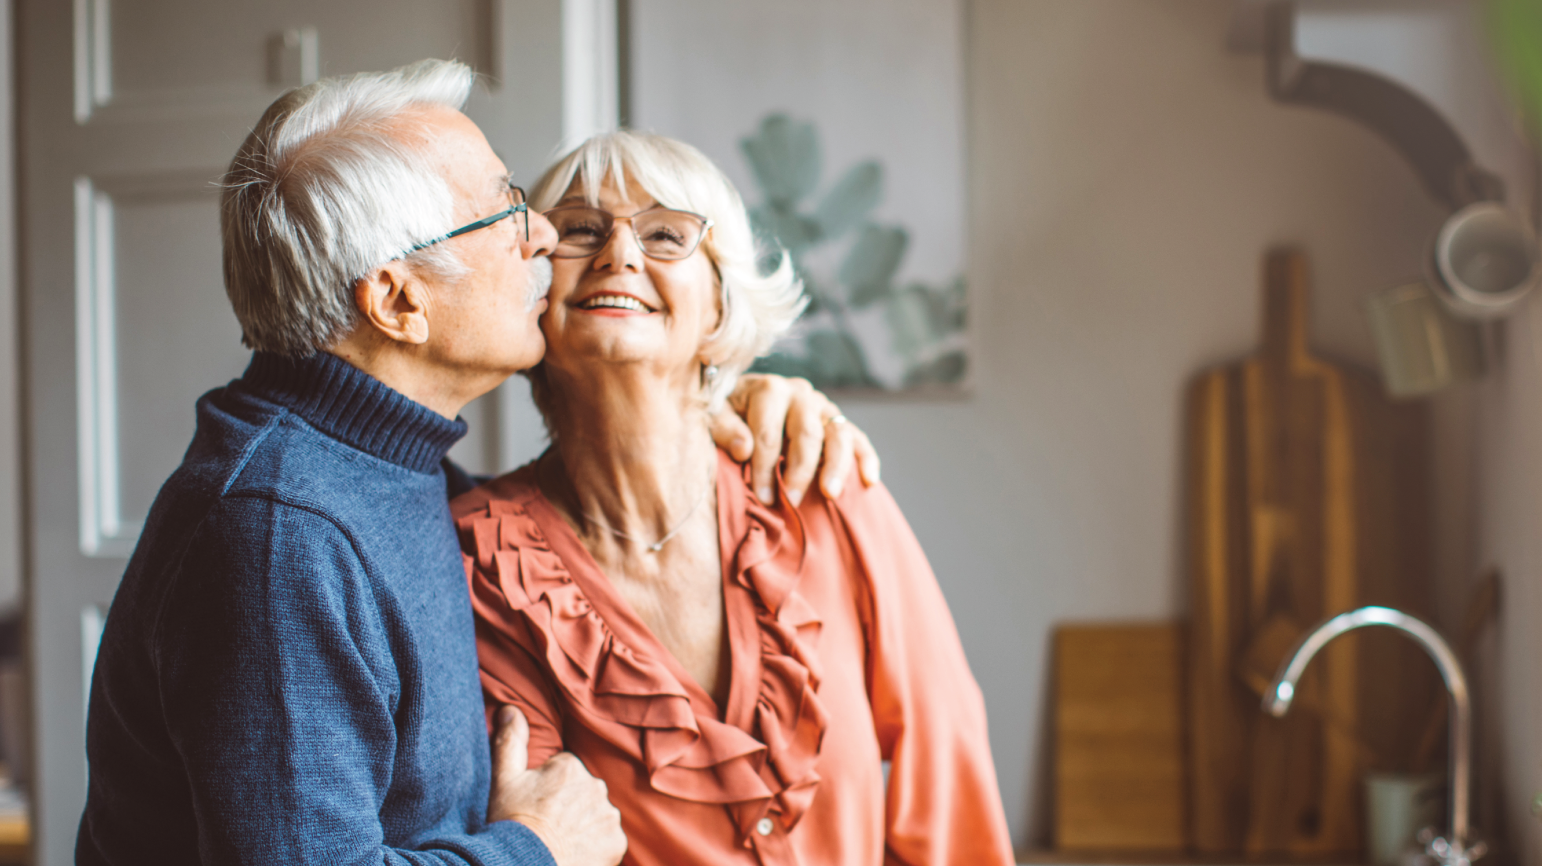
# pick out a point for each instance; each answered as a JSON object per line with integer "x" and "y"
{"x": 1485, "y": 261}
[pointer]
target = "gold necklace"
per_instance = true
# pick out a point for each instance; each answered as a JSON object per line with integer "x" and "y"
{"x": 656, "y": 546}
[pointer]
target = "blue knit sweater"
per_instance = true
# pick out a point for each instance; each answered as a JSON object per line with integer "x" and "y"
{"x": 288, "y": 672}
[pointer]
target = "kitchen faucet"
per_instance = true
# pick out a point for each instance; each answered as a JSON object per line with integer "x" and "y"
{"x": 1453, "y": 849}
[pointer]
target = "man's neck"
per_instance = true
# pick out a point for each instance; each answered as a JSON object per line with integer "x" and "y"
{"x": 430, "y": 385}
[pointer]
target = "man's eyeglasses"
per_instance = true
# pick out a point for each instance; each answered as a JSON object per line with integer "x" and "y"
{"x": 516, "y": 207}
{"x": 662, "y": 233}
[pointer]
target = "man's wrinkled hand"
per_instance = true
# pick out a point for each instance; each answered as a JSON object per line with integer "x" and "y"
{"x": 559, "y": 801}
{"x": 765, "y": 409}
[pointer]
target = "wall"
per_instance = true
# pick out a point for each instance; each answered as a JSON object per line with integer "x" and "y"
{"x": 1127, "y": 175}
{"x": 1488, "y": 471}
{"x": 1509, "y": 514}
{"x": 10, "y": 353}
{"x": 1507, "y": 519}
{"x": 1492, "y": 474}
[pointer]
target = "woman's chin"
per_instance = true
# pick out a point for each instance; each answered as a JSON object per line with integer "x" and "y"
{"x": 581, "y": 350}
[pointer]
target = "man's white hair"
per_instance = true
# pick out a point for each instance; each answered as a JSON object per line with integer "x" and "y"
{"x": 757, "y": 307}
{"x": 326, "y": 188}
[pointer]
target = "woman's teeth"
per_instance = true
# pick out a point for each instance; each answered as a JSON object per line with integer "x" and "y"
{"x": 620, "y": 302}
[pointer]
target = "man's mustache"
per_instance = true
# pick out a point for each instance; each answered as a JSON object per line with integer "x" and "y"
{"x": 540, "y": 281}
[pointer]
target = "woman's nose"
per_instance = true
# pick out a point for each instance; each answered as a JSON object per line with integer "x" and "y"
{"x": 621, "y": 251}
{"x": 543, "y": 236}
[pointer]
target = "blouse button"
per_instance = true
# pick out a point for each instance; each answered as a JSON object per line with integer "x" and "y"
{"x": 763, "y": 826}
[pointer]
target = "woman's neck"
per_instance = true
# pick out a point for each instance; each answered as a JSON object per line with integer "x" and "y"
{"x": 632, "y": 452}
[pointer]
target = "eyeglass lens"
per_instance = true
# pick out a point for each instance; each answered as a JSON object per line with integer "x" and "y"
{"x": 662, "y": 233}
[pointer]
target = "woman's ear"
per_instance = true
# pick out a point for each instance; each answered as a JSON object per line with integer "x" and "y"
{"x": 720, "y": 295}
{"x": 394, "y": 302}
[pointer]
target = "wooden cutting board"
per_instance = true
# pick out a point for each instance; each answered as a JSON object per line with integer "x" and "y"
{"x": 1306, "y": 497}
{"x": 1120, "y": 773}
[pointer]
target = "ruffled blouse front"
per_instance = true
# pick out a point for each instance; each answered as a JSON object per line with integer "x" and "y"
{"x": 556, "y": 639}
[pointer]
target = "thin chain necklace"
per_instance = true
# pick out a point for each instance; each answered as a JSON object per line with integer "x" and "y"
{"x": 656, "y": 546}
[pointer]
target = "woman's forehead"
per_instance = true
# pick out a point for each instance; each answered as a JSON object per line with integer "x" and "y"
{"x": 609, "y": 194}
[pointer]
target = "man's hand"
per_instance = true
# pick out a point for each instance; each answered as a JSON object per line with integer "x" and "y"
{"x": 564, "y": 805}
{"x": 813, "y": 425}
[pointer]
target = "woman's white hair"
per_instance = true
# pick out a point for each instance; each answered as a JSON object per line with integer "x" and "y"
{"x": 324, "y": 189}
{"x": 757, "y": 308}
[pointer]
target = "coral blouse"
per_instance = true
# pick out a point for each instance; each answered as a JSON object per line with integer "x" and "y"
{"x": 843, "y": 656}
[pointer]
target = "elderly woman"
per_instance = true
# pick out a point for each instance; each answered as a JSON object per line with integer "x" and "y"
{"x": 735, "y": 672}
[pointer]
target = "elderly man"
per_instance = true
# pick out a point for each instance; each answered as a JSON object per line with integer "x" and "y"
{"x": 288, "y": 671}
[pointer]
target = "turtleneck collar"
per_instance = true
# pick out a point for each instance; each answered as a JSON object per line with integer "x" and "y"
{"x": 354, "y": 407}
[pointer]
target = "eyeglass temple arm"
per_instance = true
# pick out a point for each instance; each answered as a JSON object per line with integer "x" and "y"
{"x": 483, "y": 223}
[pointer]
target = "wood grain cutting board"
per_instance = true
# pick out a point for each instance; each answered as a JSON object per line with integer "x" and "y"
{"x": 1120, "y": 773}
{"x": 1306, "y": 497}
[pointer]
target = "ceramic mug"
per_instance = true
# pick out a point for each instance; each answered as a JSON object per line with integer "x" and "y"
{"x": 1422, "y": 348}
{"x": 1397, "y": 807}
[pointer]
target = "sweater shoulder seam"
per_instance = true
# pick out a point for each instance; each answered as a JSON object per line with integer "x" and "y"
{"x": 249, "y": 451}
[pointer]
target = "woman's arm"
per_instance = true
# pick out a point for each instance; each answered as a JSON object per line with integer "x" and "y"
{"x": 944, "y": 805}
{"x": 763, "y": 409}
{"x": 511, "y": 673}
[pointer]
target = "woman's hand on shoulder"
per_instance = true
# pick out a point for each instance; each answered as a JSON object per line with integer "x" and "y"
{"x": 764, "y": 411}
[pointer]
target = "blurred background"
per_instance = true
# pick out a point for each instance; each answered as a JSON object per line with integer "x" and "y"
{"x": 1130, "y": 265}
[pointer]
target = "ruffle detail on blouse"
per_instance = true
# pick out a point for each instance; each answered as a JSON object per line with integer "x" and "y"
{"x": 635, "y": 702}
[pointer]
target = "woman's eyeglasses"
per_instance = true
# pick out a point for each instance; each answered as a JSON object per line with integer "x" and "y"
{"x": 516, "y": 209}
{"x": 662, "y": 233}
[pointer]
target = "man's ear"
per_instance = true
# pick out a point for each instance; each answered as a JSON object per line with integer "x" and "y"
{"x": 394, "y": 302}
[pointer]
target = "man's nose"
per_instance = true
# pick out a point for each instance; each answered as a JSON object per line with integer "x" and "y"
{"x": 543, "y": 236}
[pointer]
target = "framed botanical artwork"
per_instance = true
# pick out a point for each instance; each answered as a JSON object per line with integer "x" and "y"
{"x": 841, "y": 123}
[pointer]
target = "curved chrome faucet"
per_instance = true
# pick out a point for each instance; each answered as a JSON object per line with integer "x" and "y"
{"x": 1453, "y": 850}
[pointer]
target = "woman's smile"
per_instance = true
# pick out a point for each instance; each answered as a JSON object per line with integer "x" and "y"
{"x": 608, "y": 302}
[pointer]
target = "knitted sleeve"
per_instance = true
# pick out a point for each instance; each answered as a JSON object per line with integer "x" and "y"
{"x": 279, "y": 682}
